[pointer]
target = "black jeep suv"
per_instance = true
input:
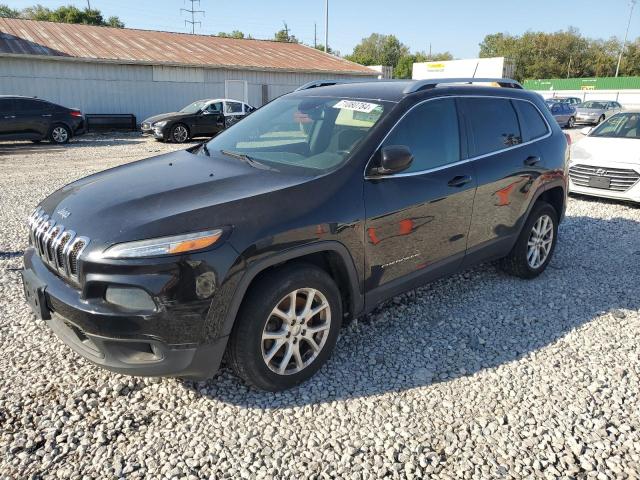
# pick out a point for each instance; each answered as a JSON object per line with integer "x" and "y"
{"x": 314, "y": 209}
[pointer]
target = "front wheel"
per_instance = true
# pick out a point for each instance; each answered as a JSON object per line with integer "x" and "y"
{"x": 60, "y": 134}
{"x": 287, "y": 327}
{"x": 601, "y": 119}
{"x": 535, "y": 246}
{"x": 179, "y": 133}
{"x": 571, "y": 123}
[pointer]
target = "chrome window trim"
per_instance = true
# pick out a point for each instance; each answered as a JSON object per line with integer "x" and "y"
{"x": 466, "y": 160}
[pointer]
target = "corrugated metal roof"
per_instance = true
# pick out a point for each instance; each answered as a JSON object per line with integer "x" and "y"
{"x": 124, "y": 45}
{"x": 601, "y": 83}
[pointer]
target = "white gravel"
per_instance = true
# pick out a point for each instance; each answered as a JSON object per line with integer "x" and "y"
{"x": 476, "y": 376}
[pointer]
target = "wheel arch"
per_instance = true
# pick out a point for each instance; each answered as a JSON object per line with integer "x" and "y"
{"x": 331, "y": 256}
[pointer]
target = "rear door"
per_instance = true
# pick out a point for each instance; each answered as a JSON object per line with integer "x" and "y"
{"x": 7, "y": 117}
{"x": 418, "y": 220}
{"x": 33, "y": 116}
{"x": 508, "y": 164}
{"x": 233, "y": 111}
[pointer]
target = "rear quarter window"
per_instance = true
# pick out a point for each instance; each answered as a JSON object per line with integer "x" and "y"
{"x": 531, "y": 122}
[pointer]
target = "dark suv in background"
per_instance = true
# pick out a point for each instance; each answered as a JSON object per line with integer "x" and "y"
{"x": 312, "y": 210}
{"x": 28, "y": 118}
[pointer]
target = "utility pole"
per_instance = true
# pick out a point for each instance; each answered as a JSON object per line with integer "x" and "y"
{"x": 88, "y": 4}
{"x": 626, "y": 35}
{"x": 315, "y": 34}
{"x": 569, "y": 68}
{"x": 193, "y": 12}
{"x": 326, "y": 26}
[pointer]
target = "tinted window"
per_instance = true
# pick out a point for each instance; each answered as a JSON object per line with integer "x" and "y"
{"x": 28, "y": 105}
{"x": 431, "y": 132}
{"x": 214, "y": 108}
{"x": 234, "y": 107}
{"x": 493, "y": 124}
{"x": 6, "y": 105}
{"x": 531, "y": 122}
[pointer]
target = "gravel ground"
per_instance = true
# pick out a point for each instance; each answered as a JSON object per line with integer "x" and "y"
{"x": 476, "y": 376}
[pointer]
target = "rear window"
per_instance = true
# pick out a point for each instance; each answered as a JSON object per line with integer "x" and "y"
{"x": 531, "y": 122}
{"x": 493, "y": 124}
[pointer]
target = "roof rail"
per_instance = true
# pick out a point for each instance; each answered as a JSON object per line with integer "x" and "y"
{"x": 326, "y": 83}
{"x": 419, "y": 85}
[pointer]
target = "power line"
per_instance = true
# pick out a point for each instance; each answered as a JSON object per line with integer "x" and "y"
{"x": 193, "y": 12}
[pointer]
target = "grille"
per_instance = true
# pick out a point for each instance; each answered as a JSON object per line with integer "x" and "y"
{"x": 620, "y": 179}
{"x": 58, "y": 247}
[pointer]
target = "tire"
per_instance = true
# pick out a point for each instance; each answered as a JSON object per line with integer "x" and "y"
{"x": 571, "y": 123}
{"x": 258, "y": 360}
{"x": 60, "y": 134}
{"x": 601, "y": 119}
{"x": 520, "y": 262}
{"x": 179, "y": 133}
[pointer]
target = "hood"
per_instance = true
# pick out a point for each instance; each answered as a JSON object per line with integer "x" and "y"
{"x": 170, "y": 194}
{"x": 598, "y": 150}
{"x": 166, "y": 116}
{"x": 589, "y": 110}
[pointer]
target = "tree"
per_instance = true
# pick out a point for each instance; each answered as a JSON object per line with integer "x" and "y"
{"x": 378, "y": 49}
{"x": 329, "y": 50}
{"x": 7, "y": 12}
{"x": 68, "y": 14}
{"x": 284, "y": 35}
{"x": 234, "y": 34}
{"x": 404, "y": 68}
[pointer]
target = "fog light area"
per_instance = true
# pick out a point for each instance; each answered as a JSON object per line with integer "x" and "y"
{"x": 130, "y": 298}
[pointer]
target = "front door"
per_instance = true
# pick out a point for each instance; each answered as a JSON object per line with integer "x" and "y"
{"x": 7, "y": 118}
{"x": 211, "y": 120}
{"x": 418, "y": 220}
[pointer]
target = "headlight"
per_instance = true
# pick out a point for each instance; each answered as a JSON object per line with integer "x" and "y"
{"x": 160, "y": 124}
{"x": 163, "y": 246}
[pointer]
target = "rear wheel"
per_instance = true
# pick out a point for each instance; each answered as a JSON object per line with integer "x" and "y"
{"x": 535, "y": 246}
{"x": 287, "y": 327}
{"x": 60, "y": 134}
{"x": 179, "y": 133}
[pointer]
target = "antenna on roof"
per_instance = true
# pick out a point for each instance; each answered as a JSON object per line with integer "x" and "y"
{"x": 193, "y": 12}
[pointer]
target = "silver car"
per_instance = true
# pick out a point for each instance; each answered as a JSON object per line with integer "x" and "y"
{"x": 596, "y": 111}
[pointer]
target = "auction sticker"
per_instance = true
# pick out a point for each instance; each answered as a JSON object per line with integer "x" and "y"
{"x": 356, "y": 106}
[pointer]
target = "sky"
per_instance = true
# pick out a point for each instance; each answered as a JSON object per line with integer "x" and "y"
{"x": 454, "y": 25}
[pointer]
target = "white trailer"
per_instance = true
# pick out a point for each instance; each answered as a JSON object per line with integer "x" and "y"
{"x": 496, "y": 67}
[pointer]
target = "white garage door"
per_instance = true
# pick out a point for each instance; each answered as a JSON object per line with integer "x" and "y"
{"x": 236, "y": 90}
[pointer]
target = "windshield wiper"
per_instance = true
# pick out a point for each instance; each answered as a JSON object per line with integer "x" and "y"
{"x": 205, "y": 149}
{"x": 245, "y": 158}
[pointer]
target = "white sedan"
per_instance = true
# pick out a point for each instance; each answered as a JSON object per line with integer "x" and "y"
{"x": 606, "y": 163}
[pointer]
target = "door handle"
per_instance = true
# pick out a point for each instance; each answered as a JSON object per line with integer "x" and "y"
{"x": 46, "y": 115}
{"x": 459, "y": 181}
{"x": 9, "y": 116}
{"x": 531, "y": 161}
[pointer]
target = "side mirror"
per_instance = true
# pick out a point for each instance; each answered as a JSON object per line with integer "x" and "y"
{"x": 394, "y": 159}
{"x": 586, "y": 130}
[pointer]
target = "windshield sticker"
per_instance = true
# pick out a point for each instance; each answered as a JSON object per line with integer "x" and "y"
{"x": 364, "y": 107}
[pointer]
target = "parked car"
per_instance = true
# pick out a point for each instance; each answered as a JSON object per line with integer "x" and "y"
{"x": 564, "y": 113}
{"x": 314, "y": 209}
{"x": 203, "y": 118}
{"x": 607, "y": 162}
{"x": 596, "y": 111}
{"x": 30, "y": 118}
{"x": 570, "y": 100}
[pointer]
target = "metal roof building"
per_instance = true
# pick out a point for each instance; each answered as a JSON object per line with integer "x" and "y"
{"x": 112, "y": 70}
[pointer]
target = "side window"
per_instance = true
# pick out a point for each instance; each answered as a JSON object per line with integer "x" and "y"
{"x": 215, "y": 107}
{"x": 531, "y": 122}
{"x": 431, "y": 131}
{"x": 493, "y": 124}
{"x": 233, "y": 107}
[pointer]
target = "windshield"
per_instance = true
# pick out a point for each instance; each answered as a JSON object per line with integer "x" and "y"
{"x": 316, "y": 134}
{"x": 598, "y": 105}
{"x": 194, "y": 107}
{"x": 623, "y": 125}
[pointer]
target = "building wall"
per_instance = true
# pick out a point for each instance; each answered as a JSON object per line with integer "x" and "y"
{"x": 139, "y": 89}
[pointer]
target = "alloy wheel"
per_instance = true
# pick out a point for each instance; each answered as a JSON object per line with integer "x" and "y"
{"x": 540, "y": 242}
{"x": 59, "y": 135}
{"x": 296, "y": 331}
{"x": 180, "y": 134}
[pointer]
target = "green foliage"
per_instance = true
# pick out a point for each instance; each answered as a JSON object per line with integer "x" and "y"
{"x": 284, "y": 35}
{"x": 558, "y": 54}
{"x": 64, "y": 14}
{"x": 320, "y": 47}
{"x": 378, "y": 49}
{"x": 404, "y": 68}
{"x": 7, "y": 12}
{"x": 234, "y": 34}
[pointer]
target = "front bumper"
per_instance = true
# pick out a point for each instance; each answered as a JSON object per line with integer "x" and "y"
{"x": 586, "y": 120}
{"x": 632, "y": 194}
{"x": 169, "y": 342}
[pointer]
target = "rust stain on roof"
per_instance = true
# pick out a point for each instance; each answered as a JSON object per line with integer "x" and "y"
{"x": 30, "y": 37}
